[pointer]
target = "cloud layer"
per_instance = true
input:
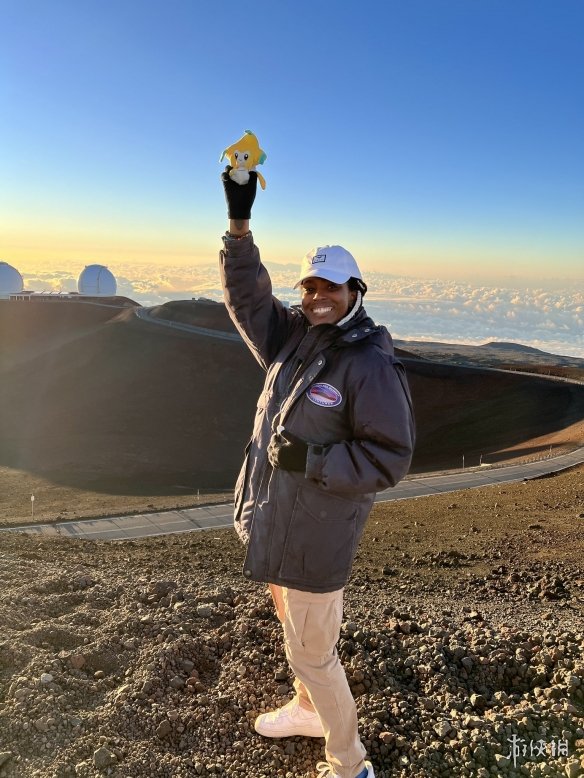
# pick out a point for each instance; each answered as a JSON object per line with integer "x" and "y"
{"x": 413, "y": 309}
{"x": 461, "y": 313}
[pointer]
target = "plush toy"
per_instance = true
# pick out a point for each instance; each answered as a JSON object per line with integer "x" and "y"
{"x": 243, "y": 156}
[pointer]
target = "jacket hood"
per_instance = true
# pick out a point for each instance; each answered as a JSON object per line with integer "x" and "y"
{"x": 359, "y": 328}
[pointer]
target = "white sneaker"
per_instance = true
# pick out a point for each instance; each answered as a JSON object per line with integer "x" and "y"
{"x": 326, "y": 771}
{"x": 290, "y": 720}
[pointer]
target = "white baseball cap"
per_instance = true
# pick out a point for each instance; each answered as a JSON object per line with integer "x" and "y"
{"x": 331, "y": 262}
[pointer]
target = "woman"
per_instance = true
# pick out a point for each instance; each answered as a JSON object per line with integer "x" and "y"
{"x": 334, "y": 425}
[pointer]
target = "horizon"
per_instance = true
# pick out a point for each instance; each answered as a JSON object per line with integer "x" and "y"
{"x": 60, "y": 263}
{"x": 443, "y": 310}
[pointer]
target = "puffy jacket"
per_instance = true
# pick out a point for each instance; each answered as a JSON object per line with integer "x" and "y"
{"x": 342, "y": 390}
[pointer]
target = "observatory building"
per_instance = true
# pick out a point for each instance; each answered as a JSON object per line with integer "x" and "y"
{"x": 10, "y": 280}
{"x": 97, "y": 281}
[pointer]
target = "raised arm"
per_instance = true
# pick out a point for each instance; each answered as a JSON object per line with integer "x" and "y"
{"x": 238, "y": 227}
{"x": 260, "y": 318}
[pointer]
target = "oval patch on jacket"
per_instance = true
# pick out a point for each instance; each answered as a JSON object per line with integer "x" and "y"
{"x": 325, "y": 395}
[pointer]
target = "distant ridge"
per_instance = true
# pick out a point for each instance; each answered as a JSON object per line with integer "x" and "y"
{"x": 510, "y": 346}
{"x": 500, "y": 354}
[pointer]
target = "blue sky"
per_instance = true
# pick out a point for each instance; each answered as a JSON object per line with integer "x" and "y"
{"x": 439, "y": 138}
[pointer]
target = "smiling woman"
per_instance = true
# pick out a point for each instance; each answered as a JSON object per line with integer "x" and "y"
{"x": 332, "y": 286}
{"x": 334, "y": 425}
{"x": 325, "y": 302}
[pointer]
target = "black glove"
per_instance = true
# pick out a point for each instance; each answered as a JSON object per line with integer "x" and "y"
{"x": 239, "y": 197}
{"x": 287, "y": 451}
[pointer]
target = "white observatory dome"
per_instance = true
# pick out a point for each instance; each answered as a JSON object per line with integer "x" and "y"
{"x": 97, "y": 280}
{"x": 10, "y": 280}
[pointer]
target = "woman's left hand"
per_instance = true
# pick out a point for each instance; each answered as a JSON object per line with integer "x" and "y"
{"x": 287, "y": 451}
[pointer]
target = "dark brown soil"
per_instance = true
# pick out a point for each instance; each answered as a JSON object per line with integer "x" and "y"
{"x": 490, "y": 571}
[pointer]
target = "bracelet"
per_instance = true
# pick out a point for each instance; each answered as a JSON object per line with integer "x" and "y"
{"x": 230, "y": 236}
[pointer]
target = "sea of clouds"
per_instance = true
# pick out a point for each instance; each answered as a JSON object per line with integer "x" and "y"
{"x": 412, "y": 308}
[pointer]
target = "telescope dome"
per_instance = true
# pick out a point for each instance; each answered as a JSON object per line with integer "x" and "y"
{"x": 10, "y": 280}
{"x": 97, "y": 281}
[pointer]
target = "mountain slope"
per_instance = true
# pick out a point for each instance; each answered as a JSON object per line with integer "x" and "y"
{"x": 111, "y": 402}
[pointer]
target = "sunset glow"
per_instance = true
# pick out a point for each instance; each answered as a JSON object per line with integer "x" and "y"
{"x": 435, "y": 140}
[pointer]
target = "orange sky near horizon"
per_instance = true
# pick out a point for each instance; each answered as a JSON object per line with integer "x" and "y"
{"x": 35, "y": 253}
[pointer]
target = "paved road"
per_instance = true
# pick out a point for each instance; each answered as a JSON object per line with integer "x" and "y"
{"x": 145, "y": 315}
{"x": 220, "y": 516}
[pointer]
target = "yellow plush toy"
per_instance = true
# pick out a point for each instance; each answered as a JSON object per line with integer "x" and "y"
{"x": 243, "y": 156}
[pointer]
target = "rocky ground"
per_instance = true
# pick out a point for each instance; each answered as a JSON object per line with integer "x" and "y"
{"x": 463, "y": 635}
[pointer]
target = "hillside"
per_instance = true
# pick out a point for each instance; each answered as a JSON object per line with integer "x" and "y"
{"x": 499, "y": 354}
{"x": 503, "y": 345}
{"x": 96, "y": 398}
{"x": 32, "y": 328}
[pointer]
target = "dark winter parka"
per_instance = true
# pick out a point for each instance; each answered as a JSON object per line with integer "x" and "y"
{"x": 338, "y": 388}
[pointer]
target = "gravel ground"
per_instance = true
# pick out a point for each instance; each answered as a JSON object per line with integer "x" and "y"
{"x": 463, "y": 630}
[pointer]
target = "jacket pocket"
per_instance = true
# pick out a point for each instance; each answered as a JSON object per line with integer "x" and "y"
{"x": 240, "y": 484}
{"x": 262, "y": 406}
{"x": 321, "y": 539}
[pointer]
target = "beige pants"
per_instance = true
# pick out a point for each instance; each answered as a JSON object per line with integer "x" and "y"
{"x": 312, "y": 624}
